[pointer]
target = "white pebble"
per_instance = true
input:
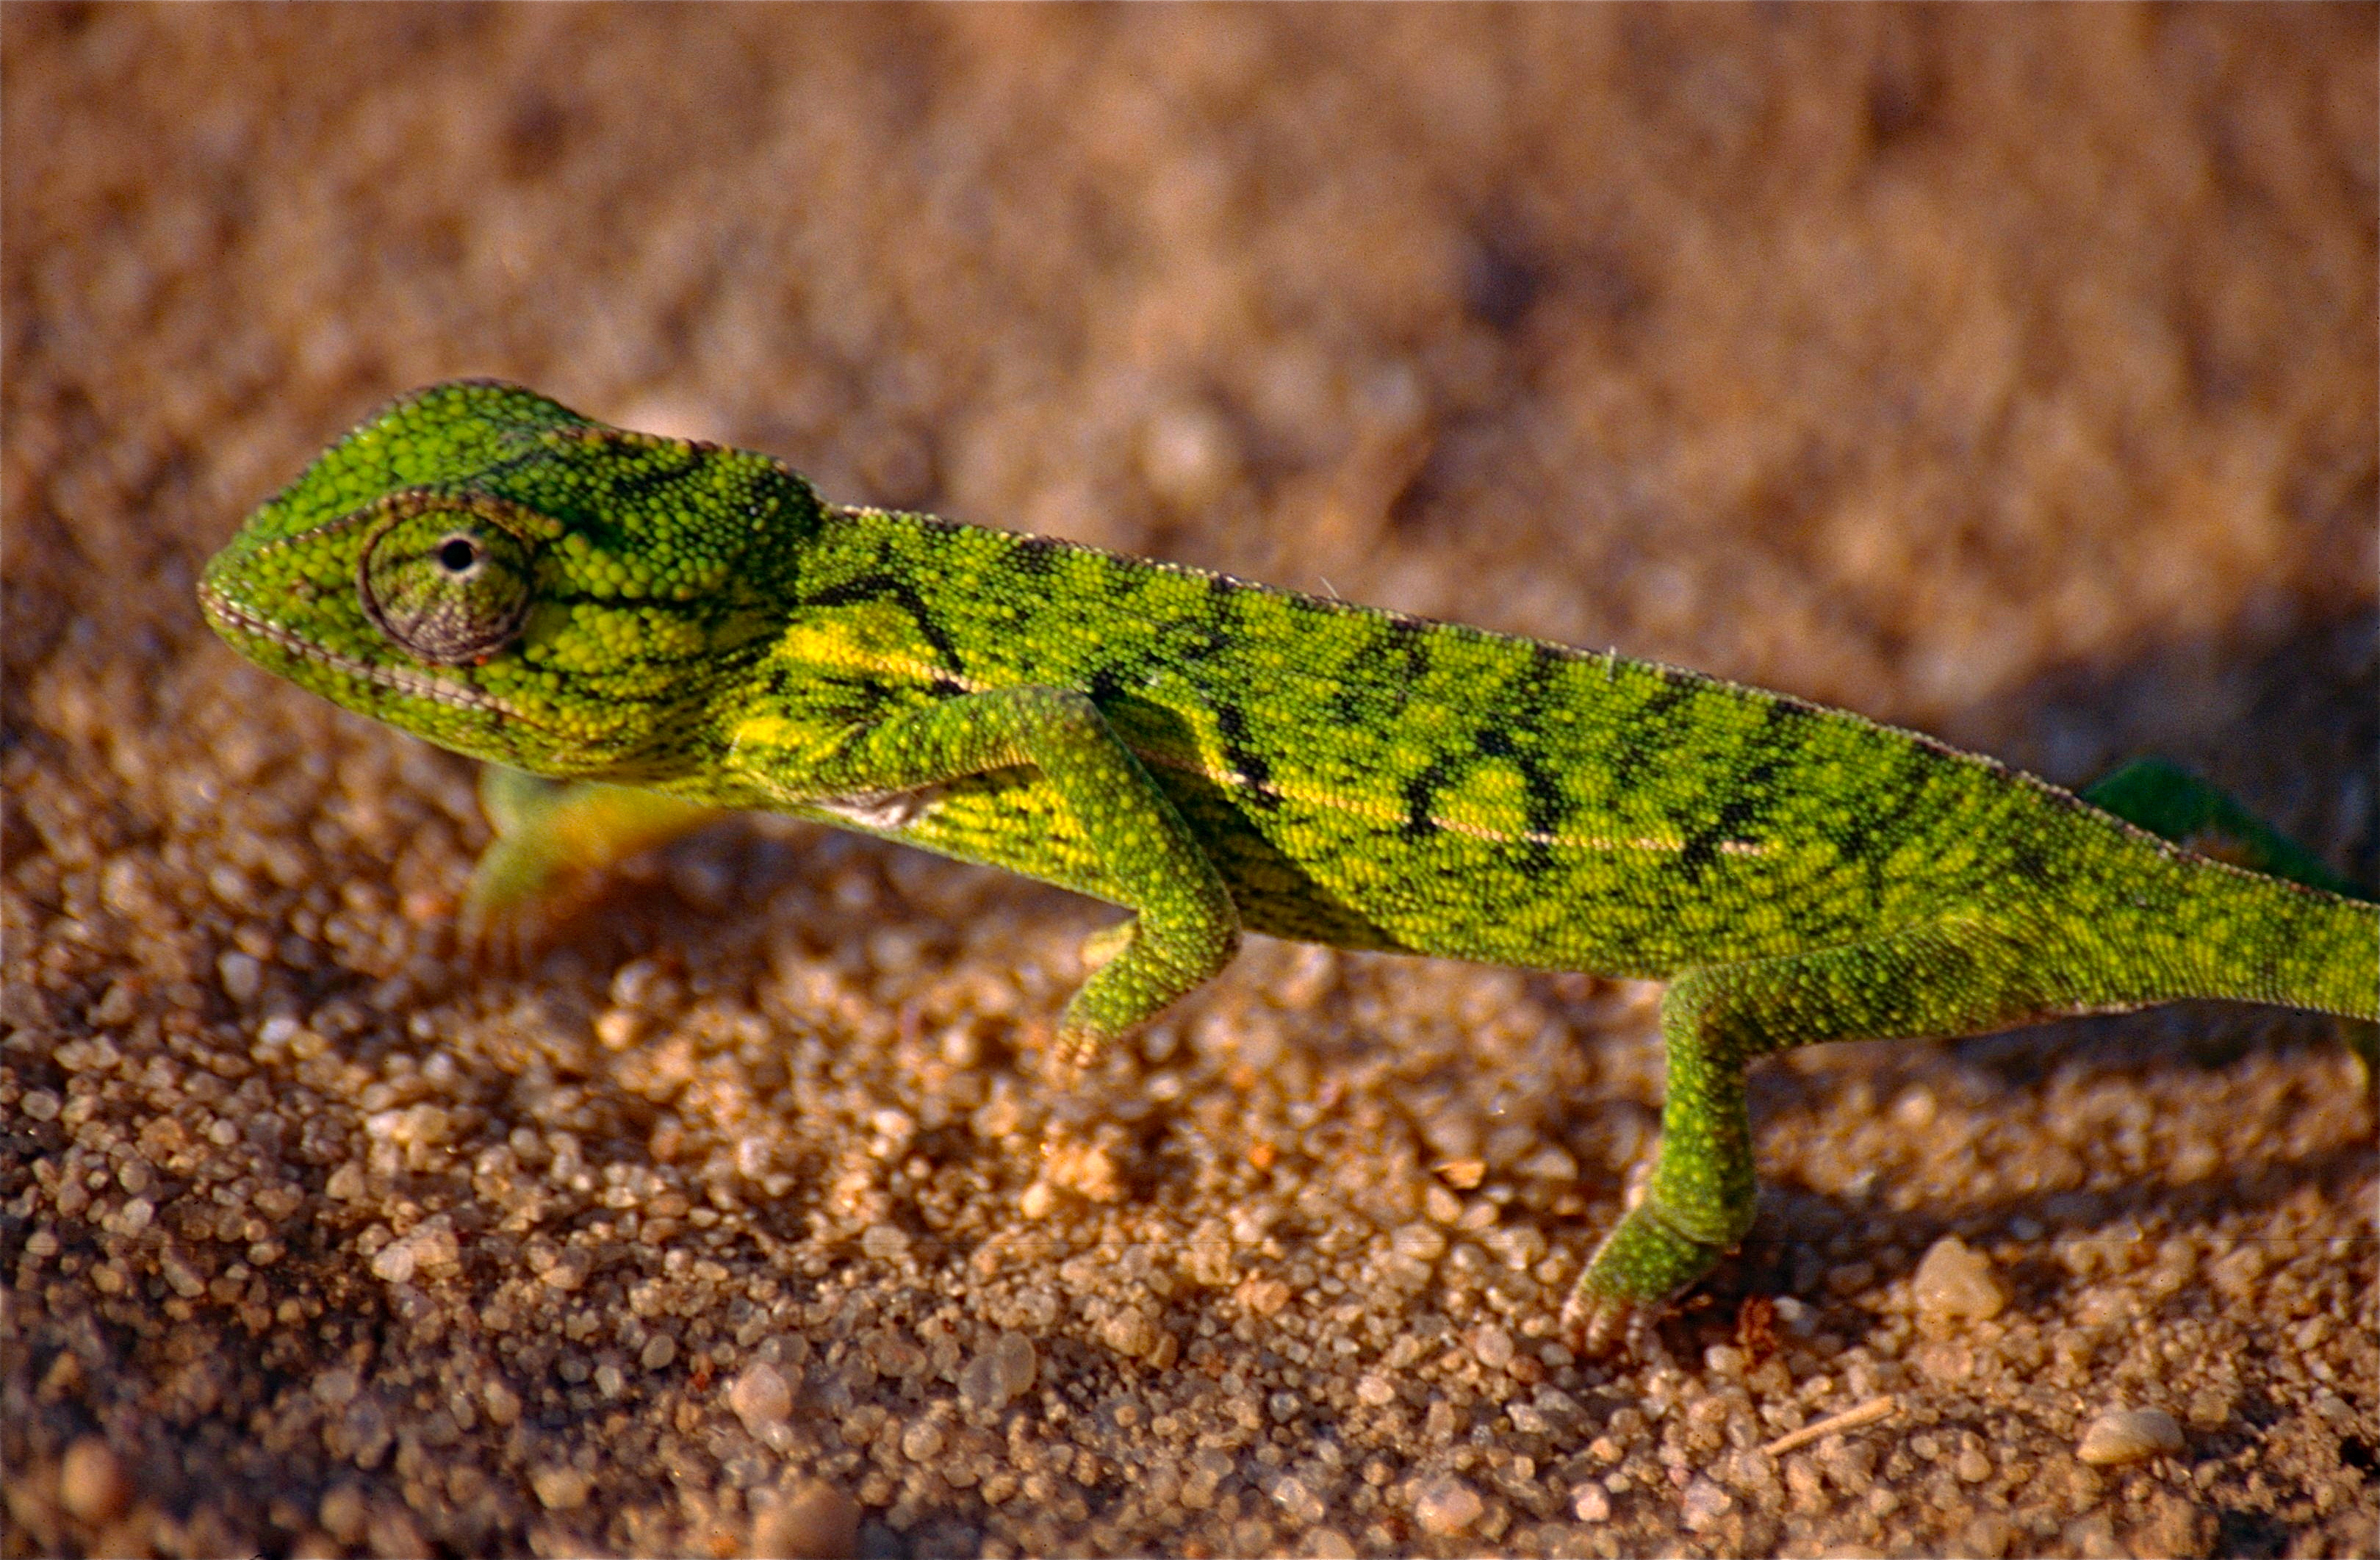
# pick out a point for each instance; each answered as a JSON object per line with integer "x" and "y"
{"x": 999, "y": 1373}
{"x": 1445, "y": 1506}
{"x": 242, "y": 976}
{"x": 761, "y": 1398}
{"x": 2123, "y": 1435}
{"x": 1955, "y": 1280}
{"x": 431, "y": 1244}
{"x": 1298, "y": 1501}
{"x": 1703, "y": 1505}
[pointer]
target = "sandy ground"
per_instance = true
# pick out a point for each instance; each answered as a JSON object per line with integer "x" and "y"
{"x": 2005, "y": 373}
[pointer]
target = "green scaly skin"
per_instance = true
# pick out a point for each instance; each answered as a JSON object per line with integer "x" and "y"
{"x": 486, "y": 569}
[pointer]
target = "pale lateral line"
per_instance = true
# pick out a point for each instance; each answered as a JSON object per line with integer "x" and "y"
{"x": 1194, "y": 765}
{"x": 396, "y": 678}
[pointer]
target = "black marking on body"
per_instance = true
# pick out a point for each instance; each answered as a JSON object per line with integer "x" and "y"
{"x": 1036, "y": 555}
{"x": 1545, "y": 804}
{"x": 1248, "y": 764}
{"x": 886, "y": 587}
{"x": 1646, "y": 734}
{"x": 651, "y": 479}
{"x": 1858, "y": 830}
{"x": 1387, "y": 665}
{"x": 1106, "y": 685}
{"x": 1421, "y": 797}
{"x": 1751, "y": 794}
{"x": 1216, "y": 633}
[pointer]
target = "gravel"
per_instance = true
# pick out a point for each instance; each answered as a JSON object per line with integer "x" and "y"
{"x": 2005, "y": 373}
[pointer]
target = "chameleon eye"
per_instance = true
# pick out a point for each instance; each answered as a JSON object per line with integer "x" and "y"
{"x": 458, "y": 554}
{"x": 445, "y": 592}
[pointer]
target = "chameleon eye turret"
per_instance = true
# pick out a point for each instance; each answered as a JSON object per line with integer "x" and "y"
{"x": 448, "y": 576}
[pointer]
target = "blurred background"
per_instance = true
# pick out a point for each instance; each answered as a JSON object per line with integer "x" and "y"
{"x": 2008, "y": 373}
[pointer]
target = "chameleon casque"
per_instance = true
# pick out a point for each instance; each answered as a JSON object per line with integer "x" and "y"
{"x": 482, "y": 568}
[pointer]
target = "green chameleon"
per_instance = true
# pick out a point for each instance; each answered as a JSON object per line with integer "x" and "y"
{"x": 671, "y": 627}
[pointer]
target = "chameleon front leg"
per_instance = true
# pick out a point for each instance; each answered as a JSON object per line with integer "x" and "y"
{"x": 552, "y": 835}
{"x": 1955, "y": 978}
{"x": 1184, "y": 927}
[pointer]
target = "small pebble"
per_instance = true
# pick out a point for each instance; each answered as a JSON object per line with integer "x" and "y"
{"x": 341, "y": 1513}
{"x": 1588, "y": 1503}
{"x": 2123, "y": 1435}
{"x": 560, "y": 1488}
{"x": 1703, "y": 1505}
{"x": 999, "y": 1373}
{"x": 242, "y": 977}
{"x": 92, "y": 1484}
{"x": 761, "y": 1398}
{"x": 814, "y": 1520}
{"x": 1297, "y": 1501}
{"x": 432, "y": 1246}
{"x": 1955, "y": 1280}
{"x": 1445, "y": 1506}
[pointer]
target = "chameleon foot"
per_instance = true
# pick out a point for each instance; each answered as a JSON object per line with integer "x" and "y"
{"x": 553, "y": 843}
{"x": 1640, "y": 1265}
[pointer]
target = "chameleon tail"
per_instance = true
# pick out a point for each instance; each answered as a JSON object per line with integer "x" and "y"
{"x": 2339, "y": 965}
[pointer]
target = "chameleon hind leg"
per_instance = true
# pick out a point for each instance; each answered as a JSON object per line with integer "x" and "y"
{"x": 553, "y": 838}
{"x": 1953, "y": 978}
{"x": 2172, "y": 803}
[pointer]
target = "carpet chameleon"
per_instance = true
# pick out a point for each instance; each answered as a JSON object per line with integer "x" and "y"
{"x": 668, "y": 627}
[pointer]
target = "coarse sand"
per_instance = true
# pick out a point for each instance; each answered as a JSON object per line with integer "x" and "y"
{"x": 2008, "y": 372}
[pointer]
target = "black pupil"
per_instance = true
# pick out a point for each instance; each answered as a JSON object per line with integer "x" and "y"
{"x": 457, "y": 554}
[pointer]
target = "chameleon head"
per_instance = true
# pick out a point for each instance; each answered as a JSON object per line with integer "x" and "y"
{"x": 488, "y": 570}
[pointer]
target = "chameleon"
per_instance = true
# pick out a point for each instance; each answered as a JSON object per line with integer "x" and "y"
{"x": 636, "y": 631}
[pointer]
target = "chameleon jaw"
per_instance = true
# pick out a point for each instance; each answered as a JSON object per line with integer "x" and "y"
{"x": 231, "y": 618}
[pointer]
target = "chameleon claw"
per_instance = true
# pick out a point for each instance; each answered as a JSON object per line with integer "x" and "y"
{"x": 1594, "y": 1325}
{"x": 510, "y": 915}
{"x": 1074, "y": 1049}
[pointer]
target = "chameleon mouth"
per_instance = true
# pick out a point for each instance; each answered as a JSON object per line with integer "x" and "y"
{"x": 232, "y": 619}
